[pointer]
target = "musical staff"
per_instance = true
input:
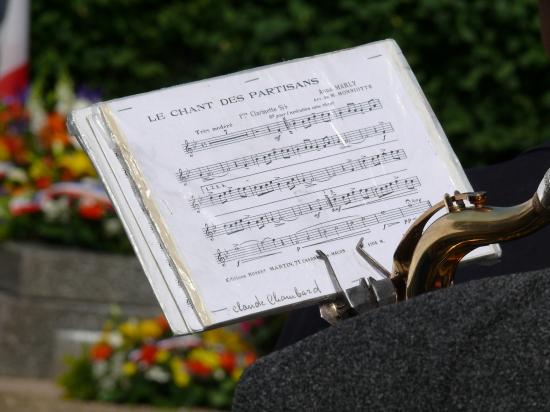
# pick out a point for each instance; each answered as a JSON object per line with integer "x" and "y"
{"x": 334, "y": 201}
{"x": 278, "y": 127}
{"x": 324, "y": 231}
{"x": 290, "y": 182}
{"x": 352, "y": 137}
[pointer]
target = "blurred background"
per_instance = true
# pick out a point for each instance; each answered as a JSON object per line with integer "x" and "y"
{"x": 69, "y": 284}
{"x": 481, "y": 64}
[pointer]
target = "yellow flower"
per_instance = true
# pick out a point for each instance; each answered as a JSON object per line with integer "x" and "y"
{"x": 77, "y": 162}
{"x": 180, "y": 375}
{"x": 162, "y": 356}
{"x": 208, "y": 358}
{"x": 213, "y": 336}
{"x": 236, "y": 374}
{"x": 231, "y": 340}
{"x": 182, "y": 378}
{"x": 150, "y": 329}
{"x": 129, "y": 330}
{"x": 129, "y": 368}
{"x": 38, "y": 169}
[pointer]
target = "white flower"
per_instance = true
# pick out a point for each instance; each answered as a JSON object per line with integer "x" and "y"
{"x": 56, "y": 209}
{"x": 112, "y": 226}
{"x": 64, "y": 94}
{"x": 115, "y": 339}
{"x": 37, "y": 113}
{"x": 81, "y": 103}
{"x": 117, "y": 360}
{"x": 17, "y": 175}
{"x": 157, "y": 374}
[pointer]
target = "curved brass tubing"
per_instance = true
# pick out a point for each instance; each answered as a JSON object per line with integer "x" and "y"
{"x": 427, "y": 259}
{"x": 456, "y": 234}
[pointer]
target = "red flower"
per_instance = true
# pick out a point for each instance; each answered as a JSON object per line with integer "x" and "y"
{"x": 198, "y": 368}
{"x": 227, "y": 361}
{"x": 43, "y": 182}
{"x": 101, "y": 351}
{"x": 67, "y": 175}
{"x": 24, "y": 210}
{"x": 91, "y": 211}
{"x": 147, "y": 354}
{"x": 16, "y": 111}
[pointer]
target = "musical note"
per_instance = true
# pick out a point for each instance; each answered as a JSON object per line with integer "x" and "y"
{"x": 287, "y": 125}
{"x": 322, "y": 174}
{"x": 324, "y": 232}
{"x": 276, "y": 127}
{"x": 352, "y": 137}
{"x": 334, "y": 202}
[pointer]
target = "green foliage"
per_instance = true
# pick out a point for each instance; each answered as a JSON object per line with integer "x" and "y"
{"x": 70, "y": 230}
{"x": 481, "y": 63}
{"x": 79, "y": 381}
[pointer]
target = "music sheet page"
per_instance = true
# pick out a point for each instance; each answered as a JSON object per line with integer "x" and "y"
{"x": 252, "y": 173}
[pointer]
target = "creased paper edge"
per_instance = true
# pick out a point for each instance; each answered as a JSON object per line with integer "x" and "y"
{"x": 155, "y": 216}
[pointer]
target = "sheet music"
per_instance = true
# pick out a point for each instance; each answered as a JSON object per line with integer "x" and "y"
{"x": 172, "y": 297}
{"x": 253, "y": 172}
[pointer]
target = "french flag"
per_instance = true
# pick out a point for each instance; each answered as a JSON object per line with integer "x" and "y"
{"x": 14, "y": 47}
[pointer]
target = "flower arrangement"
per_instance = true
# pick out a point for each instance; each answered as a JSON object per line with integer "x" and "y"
{"x": 141, "y": 362}
{"x": 48, "y": 187}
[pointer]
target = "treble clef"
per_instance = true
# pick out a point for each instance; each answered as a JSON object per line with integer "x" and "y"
{"x": 189, "y": 148}
{"x": 183, "y": 176}
{"x": 220, "y": 257}
{"x": 195, "y": 203}
{"x": 209, "y": 231}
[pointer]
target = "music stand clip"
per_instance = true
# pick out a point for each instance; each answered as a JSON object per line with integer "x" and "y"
{"x": 369, "y": 294}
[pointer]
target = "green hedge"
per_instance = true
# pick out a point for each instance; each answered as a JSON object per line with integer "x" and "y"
{"x": 480, "y": 62}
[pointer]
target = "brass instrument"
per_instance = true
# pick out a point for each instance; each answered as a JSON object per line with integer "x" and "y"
{"x": 426, "y": 258}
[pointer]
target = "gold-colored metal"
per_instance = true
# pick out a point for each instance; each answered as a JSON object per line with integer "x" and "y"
{"x": 426, "y": 259}
{"x": 428, "y": 255}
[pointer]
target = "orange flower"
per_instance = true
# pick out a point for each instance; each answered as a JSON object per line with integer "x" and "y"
{"x": 55, "y": 123}
{"x": 198, "y": 368}
{"x": 101, "y": 351}
{"x": 16, "y": 146}
{"x": 54, "y": 130}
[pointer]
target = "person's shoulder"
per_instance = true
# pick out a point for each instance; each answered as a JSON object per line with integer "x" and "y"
{"x": 515, "y": 180}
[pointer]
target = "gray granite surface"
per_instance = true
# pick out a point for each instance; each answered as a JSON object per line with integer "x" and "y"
{"x": 46, "y": 289}
{"x": 483, "y": 345}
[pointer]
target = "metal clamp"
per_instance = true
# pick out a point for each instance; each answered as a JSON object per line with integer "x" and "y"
{"x": 369, "y": 294}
